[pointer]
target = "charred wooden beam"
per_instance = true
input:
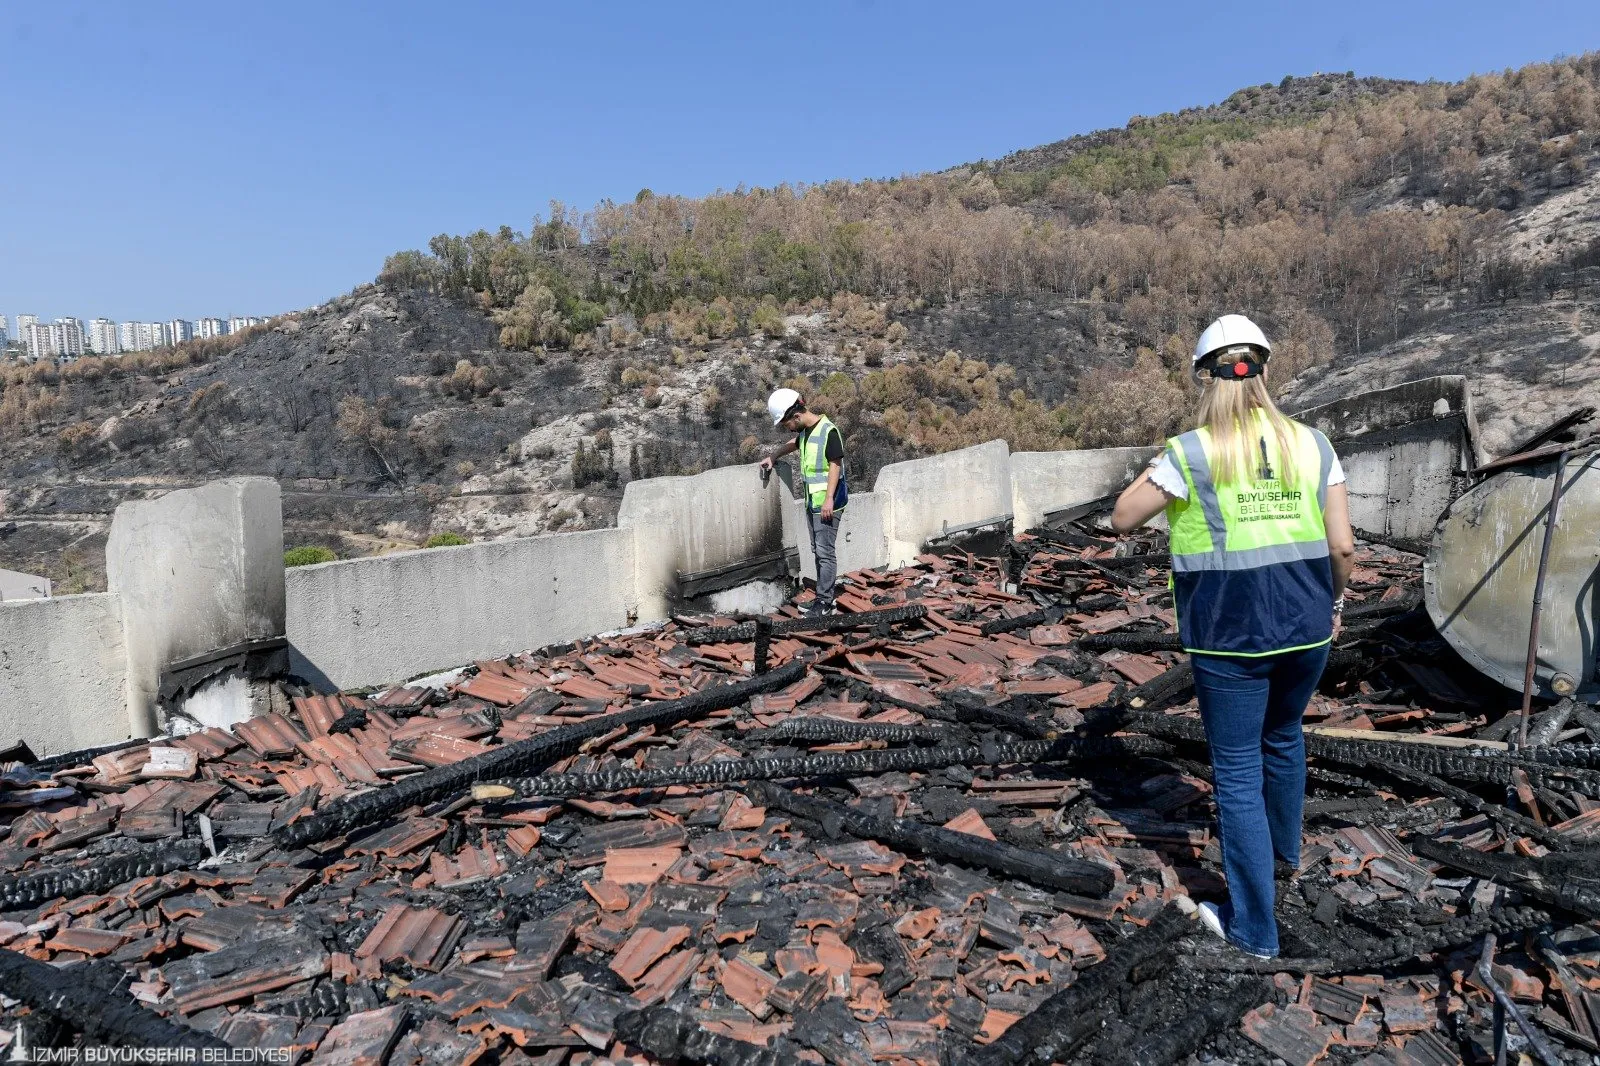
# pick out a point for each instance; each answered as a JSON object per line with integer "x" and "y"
{"x": 826, "y": 764}
{"x": 86, "y": 998}
{"x": 18, "y": 891}
{"x": 832, "y": 623}
{"x": 1146, "y": 641}
{"x": 1579, "y": 897}
{"x": 1468, "y": 764}
{"x": 1199, "y": 1024}
{"x": 1061, "y": 1023}
{"x": 1044, "y": 868}
{"x": 824, "y": 730}
{"x": 1021, "y": 621}
{"x": 670, "y": 1037}
{"x": 521, "y": 757}
{"x": 1398, "y": 948}
{"x": 1499, "y": 813}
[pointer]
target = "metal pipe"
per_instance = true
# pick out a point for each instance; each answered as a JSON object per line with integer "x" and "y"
{"x": 1504, "y": 1006}
{"x": 1538, "y": 601}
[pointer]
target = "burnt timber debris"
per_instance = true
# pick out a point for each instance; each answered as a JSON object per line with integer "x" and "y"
{"x": 960, "y": 823}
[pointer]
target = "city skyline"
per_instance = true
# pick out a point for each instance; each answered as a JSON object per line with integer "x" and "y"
{"x": 67, "y": 336}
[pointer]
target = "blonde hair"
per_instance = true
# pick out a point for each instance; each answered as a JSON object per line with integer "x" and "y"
{"x": 1229, "y": 409}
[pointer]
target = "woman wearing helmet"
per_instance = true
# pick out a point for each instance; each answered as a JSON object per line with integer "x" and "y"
{"x": 1261, "y": 551}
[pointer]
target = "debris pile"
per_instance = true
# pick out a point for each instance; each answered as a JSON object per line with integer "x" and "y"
{"x": 961, "y": 822}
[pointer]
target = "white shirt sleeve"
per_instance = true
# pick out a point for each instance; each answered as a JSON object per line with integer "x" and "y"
{"x": 1165, "y": 475}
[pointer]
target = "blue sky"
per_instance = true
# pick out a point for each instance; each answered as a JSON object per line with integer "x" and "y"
{"x": 185, "y": 159}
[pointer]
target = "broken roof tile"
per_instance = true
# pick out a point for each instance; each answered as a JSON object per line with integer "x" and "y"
{"x": 421, "y": 936}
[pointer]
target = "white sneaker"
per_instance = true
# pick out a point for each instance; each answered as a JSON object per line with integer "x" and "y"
{"x": 1211, "y": 918}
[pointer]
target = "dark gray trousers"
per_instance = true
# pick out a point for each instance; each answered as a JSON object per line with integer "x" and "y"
{"x": 823, "y": 536}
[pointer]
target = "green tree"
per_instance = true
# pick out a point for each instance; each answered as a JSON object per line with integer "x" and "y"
{"x": 534, "y": 320}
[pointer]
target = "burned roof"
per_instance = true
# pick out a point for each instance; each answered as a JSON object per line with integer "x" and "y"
{"x": 960, "y": 821}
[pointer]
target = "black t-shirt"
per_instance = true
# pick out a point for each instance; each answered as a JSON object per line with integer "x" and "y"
{"x": 833, "y": 451}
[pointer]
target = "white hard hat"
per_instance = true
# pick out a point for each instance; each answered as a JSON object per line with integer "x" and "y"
{"x": 1228, "y": 332}
{"x": 779, "y": 402}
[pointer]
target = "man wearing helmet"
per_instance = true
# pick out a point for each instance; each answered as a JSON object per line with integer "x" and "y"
{"x": 821, "y": 448}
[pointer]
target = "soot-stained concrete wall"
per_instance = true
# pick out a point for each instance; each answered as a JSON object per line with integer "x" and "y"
{"x": 1405, "y": 452}
{"x": 63, "y": 673}
{"x": 691, "y": 524}
{"x": 926, "y": 496}
{"x": 198, "y": 570}
{"x": 374, "y": 621}
{"x": 1042, "y": 482}
{"x": 860, "y": 543}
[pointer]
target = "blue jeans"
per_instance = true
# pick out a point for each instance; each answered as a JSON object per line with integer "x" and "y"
{"x": 1252, "y": 710}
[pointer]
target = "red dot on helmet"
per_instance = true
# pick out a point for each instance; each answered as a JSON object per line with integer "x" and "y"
{"x": 1241, "y": 368}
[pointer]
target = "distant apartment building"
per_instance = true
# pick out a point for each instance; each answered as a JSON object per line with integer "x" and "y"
{"x": 24, "y": 322}
{"x": 5, "y": 337}
{"x": 36, "y": 338}
{"x": 179, "y": 331}
{"x": 207, "y": 328}
{"x": 61, "y": 339}
{"x": 103, "y": 339}
{"x": 142, "y": 336}
{"x": 240, "y": 323}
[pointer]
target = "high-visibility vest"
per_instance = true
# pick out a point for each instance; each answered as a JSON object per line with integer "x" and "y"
{"x": 814, "y": 462}
{"x": 1250, "y": 567}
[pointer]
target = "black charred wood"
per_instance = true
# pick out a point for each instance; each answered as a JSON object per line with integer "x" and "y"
{"x": 87, "y": 998}
{"x": 1586, "y": 717}
{"x": 1376, "y": 609}
{"x": 1550, "y": 724}
{"x": 524, "y": 756}
{"x": 1397, "y": 948}
{"x": 1044, "y": 868}
{"x": 1148, "y": 641}
{"x": 1474, "y": 765}
{"x": 1056, "y": 1028}
{"x": 1159, "y": 693}
{"x": 1197, "y": 1025}
{"x": 1021, "y": 621}
{"x": 1410, "y": 547}
{"x": 825, "y": 730}
{"x": 763, "y": 648}
{"x": 1499, "y": 813}
{"x": 1580, "y": 897}
{"x": 832, "y": 623}
{"x": 31, "y": 889}
{"x": 670, "y": 1037}
{"x": 353, "y": 718}
{"x": 973, "y": 711}
{"x": 829, "y": 764}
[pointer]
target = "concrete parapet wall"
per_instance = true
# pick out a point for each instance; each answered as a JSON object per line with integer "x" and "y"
{"x": 1405, "y": 451}
{"x": 927, "y": 496}
{"x": 861, "y": 543}
{"x": 1042, "y": 482}
{"x": 374, "y": 621}
{"x": 63, "y": 673}
{"x": 690, "y": 524}
{"x": 1440, "y": 397}
{"x": 198, "y": 570}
